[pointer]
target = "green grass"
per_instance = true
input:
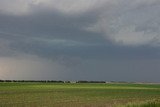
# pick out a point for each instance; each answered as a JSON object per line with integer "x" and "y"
{"x": 75, "y": 95}
{"x": 152, "y": 103}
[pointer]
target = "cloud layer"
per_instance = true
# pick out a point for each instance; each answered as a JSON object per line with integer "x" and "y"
{"x": 122, "y": 22}
{"x": 80, "y": 37}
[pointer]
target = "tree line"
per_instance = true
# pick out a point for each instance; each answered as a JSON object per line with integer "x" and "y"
{"x": 52, "y": 81}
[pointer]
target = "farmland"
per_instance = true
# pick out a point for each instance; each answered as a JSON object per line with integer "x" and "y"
{"x": 76, "y": 94}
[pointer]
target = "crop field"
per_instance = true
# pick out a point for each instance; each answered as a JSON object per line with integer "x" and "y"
{"x": 78, "y": 94}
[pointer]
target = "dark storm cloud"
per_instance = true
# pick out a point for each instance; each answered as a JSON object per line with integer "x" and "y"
{"x": 48, "y": 24}
{"x": 45, "y": 28}
{"x": 68, "y": 39}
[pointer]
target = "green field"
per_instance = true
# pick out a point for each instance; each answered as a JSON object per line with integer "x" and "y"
{"x": 76, "y": 95}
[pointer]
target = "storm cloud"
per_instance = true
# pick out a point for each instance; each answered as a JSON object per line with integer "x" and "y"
{"x": 82, "y": 39}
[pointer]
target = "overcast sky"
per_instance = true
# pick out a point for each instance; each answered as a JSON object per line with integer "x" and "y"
{"x": 111, "y": 40}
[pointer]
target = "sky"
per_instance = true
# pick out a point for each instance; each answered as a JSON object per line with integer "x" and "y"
{"x": 107, "y": 40}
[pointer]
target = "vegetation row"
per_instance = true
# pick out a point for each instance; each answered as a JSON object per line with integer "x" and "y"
{"x": 52, "y": 81}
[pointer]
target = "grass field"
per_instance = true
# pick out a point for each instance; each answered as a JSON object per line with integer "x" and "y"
{"x": 77, "y": 95}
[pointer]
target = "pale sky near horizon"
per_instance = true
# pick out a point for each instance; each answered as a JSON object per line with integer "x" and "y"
{"x": 111, "y": 40}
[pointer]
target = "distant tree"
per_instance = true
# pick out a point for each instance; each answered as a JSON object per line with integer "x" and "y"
{"x": 1, "y": 80}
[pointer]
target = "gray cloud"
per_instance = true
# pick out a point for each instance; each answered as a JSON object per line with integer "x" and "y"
{"x": 132, "y": 23}
{"x": 32, "y": 67}
{"x": 118, "y": 70}
{"x": 84, "y": 39}
{"x": 121, "y": 22}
